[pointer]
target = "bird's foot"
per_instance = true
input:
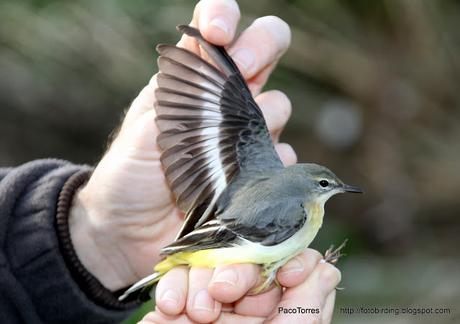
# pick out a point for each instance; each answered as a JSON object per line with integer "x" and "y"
{"x": 270, "y": 277}
{"x": 333, "y": 255}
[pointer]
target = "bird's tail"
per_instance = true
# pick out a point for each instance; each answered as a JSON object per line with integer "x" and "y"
{"x": 141, "y": 289}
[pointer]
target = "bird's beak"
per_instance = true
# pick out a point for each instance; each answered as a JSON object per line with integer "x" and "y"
{"x": 348, "y": 188}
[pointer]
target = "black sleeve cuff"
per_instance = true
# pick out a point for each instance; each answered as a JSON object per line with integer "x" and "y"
{"x": 89, "y": 284}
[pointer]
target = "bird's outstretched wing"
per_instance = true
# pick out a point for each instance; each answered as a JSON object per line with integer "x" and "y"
{"x": 211, "y": 129}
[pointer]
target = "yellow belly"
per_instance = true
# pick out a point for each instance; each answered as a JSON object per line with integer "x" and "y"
{"x": 250, "y": 252}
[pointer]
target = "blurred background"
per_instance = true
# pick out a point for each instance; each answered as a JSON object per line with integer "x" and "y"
{"x": 376, "y": 97}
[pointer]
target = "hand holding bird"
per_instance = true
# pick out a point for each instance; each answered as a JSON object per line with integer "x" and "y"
{"x": 126, "y": 210}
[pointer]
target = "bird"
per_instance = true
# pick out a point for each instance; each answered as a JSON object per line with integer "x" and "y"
{"x": 241, "y": 204}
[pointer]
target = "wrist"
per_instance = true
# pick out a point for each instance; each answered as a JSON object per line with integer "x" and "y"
{"x": 95, "y": 244}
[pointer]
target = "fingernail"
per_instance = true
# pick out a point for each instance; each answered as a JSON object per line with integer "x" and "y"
{"x": 227, "y": 276}
{"x": 203, "y": 301}
{"x": 221, "y": 24}
{"x": 292, "y": 266}
{"x": 170, "y": 296}
{"x": 245, "y": 59}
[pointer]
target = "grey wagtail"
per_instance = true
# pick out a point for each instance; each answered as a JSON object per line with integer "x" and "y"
{"x": 242, "y": 205}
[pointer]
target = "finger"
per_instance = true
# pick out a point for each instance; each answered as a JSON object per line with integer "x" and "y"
{"x": 231, "y": 282}
{"x": 311, "y": 294}
{"x": 286, "y": 153}
{"x": 216, "y": 20}
{"x": 171, "y": 291}
{"x": 259, "y": 305}
{"x": 257, "y": 82}
{"x": 296, "y": 271}
{"x": 276, "y": 108}
{"x": 201, "y": 307}
{"x": 260, "y": 45}
{"x": 229, "y": 318}
{"x": 328, "y": 309}
{"x": 157, "y": 317}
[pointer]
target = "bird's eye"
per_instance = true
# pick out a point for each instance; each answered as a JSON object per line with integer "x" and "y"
{"x": 324, "y": 183}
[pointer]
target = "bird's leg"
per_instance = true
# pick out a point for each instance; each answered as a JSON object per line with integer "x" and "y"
{"x": 332, "y": 256}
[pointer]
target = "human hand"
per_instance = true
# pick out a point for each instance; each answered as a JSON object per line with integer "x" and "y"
{"x": 126, "y": 213}
{"x": 220, "y": 296}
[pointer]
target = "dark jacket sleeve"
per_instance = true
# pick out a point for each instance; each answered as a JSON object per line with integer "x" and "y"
{"x": 38, "y": 283}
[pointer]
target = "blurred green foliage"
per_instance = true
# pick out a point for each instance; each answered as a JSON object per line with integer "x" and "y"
{"x": 374, "y": 86}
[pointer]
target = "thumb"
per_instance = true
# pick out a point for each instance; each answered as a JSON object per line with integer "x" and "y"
{"x": 138, "y": 132}
{"x": 142, "y": 103}
{"x": 137, "y": 139}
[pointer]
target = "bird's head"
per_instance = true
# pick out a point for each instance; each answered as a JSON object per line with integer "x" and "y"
{"x": 322, "y": 183}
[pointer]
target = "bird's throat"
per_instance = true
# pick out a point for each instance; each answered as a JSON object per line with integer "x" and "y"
{"x": 315, "y": 212}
